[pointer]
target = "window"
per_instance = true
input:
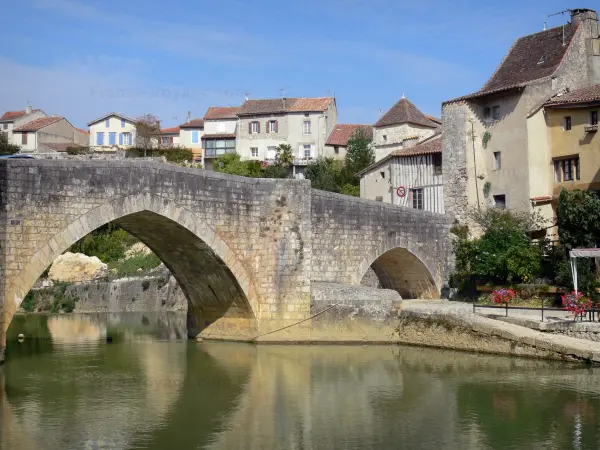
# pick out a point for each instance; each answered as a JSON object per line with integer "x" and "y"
{"x": 112, "y": 138}
{"x": 254, "y": 152}
{"x": 271, "y": 152}
{"x": 195, "y": 137}
{"x": 497, "y": 161}
{"x": 382, "y": 174}
{"x": 166, "y": 140}
{"x": 306, "y": 127}
{"x": 107, "y": 123}
{"x": 496, "y": 113}
{"x": 417, "y": 198}
{"x": 567, "y": 169}
{"x": 487, "y": 112}
{"x": 594, "y": 118}
{"x": 127, "y": 139}
{"x": 218, "y": 147}
{"x": 272, "y": 126}
{"x": 336, "y": 150}
{"x": 437, "y": 163}
{"x": 254, "y": 127}
{"x": 384, "y": 138}
{"x": 23, "y": 138}
{"x": 5, "y": 126}
{"x": 122, "y": 123}
{"x": 99, "y": 138}
{"x": 306, "y": 115}
{"x": 307, "y": 151}
{"x": 567, "y": 123}
{"x": 500, "y": 201}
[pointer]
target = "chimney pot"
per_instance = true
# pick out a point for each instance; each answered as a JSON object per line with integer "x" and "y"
{"x": 578, "y": 15}
{"x": 28, "y": 109}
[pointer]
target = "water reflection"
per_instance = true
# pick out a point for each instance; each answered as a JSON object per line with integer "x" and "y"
{"x": 150, "y": 389}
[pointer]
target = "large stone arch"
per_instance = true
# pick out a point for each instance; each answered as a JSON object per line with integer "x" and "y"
{"x": 401, "y": 265}
{"x": 178, "y": 237}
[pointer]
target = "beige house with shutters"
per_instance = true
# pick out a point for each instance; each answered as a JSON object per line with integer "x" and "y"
{"x": 112, "y": 131}
{"x": 48, "y": 135}
{"x": 15, "y": 119}
{"x": 303, "y": 123}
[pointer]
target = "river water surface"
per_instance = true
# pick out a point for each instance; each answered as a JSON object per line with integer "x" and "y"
{"x": 66, "y": 387}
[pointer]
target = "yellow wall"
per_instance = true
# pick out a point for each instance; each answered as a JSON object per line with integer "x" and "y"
{"x": 576, "y": 142}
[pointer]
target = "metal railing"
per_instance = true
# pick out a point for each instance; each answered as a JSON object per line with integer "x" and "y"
{"x": 593, "y": 315}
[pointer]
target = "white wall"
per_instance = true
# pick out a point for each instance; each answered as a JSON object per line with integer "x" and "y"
{"x": 19, "y": 123}
{"x": 185, "y": 137}
{"x": 114, "y": 127}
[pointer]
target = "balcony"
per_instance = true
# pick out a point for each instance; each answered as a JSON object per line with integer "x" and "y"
{"x": 591, "y": 128}
{"x": 303, "y": 161}
{"x": 217, "y": 152}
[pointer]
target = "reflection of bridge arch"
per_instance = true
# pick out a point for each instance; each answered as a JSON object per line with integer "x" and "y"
{"x": 209, "y": 274}
{"x": 401, "y": 265}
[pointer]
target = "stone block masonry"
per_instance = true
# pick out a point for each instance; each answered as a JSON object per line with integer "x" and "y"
{"x": 244, "y": 251}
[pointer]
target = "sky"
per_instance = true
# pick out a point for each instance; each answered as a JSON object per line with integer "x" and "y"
{"x": 85, "y": 58}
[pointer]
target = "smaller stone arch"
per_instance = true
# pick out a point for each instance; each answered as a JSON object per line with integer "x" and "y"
{"x": 401, "y": 265}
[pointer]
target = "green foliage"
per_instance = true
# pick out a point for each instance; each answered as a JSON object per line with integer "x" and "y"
{"x": 7, "y": 148}
{"x": 325, "y": 174}
{"x": 62, "y": 302}
{"x": 487, "y": 187}
{"x": 349, "y": 189}
{"x": 487, "y": 137}
{"x": 130, "y": 266}
{"x": 232, "y": 163}
{"x": 29, "y": 302}
{"x": 578, "y": 216}
{"x": 108, "y": 243}
{"x": 276, "y": 171}
{"x": 147, "y": 128}
{"x": 285, "y": 155}
{"x": 78, "y": 150}
{"x": 175, "y": 155}
{"x": 359, "y": 154}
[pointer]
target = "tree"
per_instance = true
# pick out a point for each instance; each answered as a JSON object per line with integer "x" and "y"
{"x": 285, "y": 155}
{"x": 146, "y": 129}
{"x": 7, "y": 148}
{"x": 359, "y": 155}
{"x": 325, "y": 174}
{"x": 231, "y": 163}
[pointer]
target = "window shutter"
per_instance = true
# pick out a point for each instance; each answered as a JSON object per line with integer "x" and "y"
{"x": 120, "y": 138}
{"x": 250, "y": 127}
{"x": 277, "y": 126}
{"x": 258, "y": 127}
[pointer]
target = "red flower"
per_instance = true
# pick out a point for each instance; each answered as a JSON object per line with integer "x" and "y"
{"x": 503, "y": 296}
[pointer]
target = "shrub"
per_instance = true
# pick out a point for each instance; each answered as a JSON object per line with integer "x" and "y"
{"x": 77, "y": 150}
{"x": 131, "y": 265}
{"x": 29, "y": 302}
{"x": 176, "y": 155}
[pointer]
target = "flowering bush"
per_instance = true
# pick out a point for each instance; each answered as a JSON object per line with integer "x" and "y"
{"x": 503, "y": 296}
{"x": 576, "y": 303}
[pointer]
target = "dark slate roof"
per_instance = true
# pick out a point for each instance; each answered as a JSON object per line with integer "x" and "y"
{"x": 341, "y": 133}
{"x": 194, "y": 123}
{"x": 284, "y": 105}
{"x": 583, "y": 95}
{"x": 530, "y": 58}
{"x": 221, "y": 112}
{"x": 404, "y": 112}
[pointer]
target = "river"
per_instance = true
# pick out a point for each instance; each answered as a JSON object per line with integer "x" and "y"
{"x": 66, "y": 387}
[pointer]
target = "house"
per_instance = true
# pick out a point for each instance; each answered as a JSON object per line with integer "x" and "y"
{"x": 303, "y": 123}
{"x": 112, "y": 131}
{"x": 84, "y": 136}
{"x": 337, "y": 142}
{"x": 15, "y": 119}
{"x": 168, "y": 138}
{"x": 402, "y": 126}
{"x": 48, "y": 135}
{"x": 496, "y": 145}
{"x": 410, "y": 177}
{"x": 190, "y": 136}
{"x": 219, "y": 138}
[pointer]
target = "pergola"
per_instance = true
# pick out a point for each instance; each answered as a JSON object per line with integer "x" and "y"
{"x": 581, "y": 253}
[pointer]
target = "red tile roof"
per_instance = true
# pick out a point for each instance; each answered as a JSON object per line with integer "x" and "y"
{"x": 194, "y": 123}
{"x": 12, "y": 115}
{"x": 219, "y": 136}
{"x": 542, "y": 198}
{"x": 430, "y": 145}
{"x": 405, "y": 112}
{"x": 172, "y": 130}
{"x": 341, "y": 133}
{"x": 284, "y": 105}
{"x": 530, "y": 58}
{"x": 221, "y": 112}
{"x": 38, "y": 124}
{"x": 87, "y": 133}
{"x": 583, "y": 95}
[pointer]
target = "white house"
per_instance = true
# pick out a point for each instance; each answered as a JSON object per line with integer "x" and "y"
{"x": 190, "y": 136}
{"x": 15, "y": 119}
{"x": 410, "y": 177}
{"x": 303, "y": 123}
{"x": 219, "y": 138}
{"x": 113, "y": 130}
{"x": 48, "y": 135}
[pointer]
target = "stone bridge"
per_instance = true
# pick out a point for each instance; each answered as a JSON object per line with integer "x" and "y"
{"x": 244, "y": 251}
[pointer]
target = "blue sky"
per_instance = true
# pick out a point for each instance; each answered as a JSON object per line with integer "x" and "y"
{"x": 82, "y": 59}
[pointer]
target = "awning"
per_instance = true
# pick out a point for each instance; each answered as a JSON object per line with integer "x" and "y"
{"x": 585, "y": 253}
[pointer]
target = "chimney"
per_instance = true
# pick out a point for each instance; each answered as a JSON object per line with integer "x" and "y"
{"x": 189, "y": 117}
{"x": 582, "y": 14}
{"x": 283, "y": 100}
{"x": 28, "y": 109}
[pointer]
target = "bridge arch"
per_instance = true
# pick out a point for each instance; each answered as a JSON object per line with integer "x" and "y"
{"x": 212, "y": 278}
{"x": 399, "y": 264}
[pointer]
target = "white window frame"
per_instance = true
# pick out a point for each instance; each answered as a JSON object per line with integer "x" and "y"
{"x": 254, "y": 127}
{"x": 254, "y": 152}
{"x": 272, "y": 152}
{"x": 272, "y": 126}
{"x": 306, "y": 128}
{"x": 305, "y": 148}
{"x": 127, "y": 139}
{"x": 418, "y": 196}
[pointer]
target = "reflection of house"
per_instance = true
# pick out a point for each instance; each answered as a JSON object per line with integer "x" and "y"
{"x": 190, "y": 136}
{"x": 337, "y": 142}
{"x": 402, "y": 126}
{"x": 303, "y": 123}
{"x": 48, "y": 134}
{"x": 15, "y": 119}
{"x": 410, "y": 177}
{"x": 219, "y": 136}
{"x": 496, "y": 142}
{"x": 112, "y": 131}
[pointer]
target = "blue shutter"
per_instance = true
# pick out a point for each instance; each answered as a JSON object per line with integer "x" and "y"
{"x": 99, "y": 138}
{"x": 112, "y": 138}
{"x": 122, "y": 123}
{"x": 194, "y": 137}
{"x": 107, "y": 123}
{"x": 120, "y": 138}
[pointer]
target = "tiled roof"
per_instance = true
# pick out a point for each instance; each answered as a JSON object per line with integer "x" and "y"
{"x": 219, "y": 136}
{"x": 530, "y": 58}
{"x": 194, "y": 123}
{"x": 87, "y": 133}
{"x": 341, "y": 133}
{"x": 12, "y": 115}
{"x": 434, "y": 119}
{"x": 38, "y": 124}
{"x": 172, "y": 130}
{"x": 221, "y": 112}
{"x": 112, "y": 114}
{"x": 404, "y": 112}
{"x": 284, "y": 105}
{"x": 583, "y": 95}
{"x": 431, "y": 145}
{"x": 60, "y": 147}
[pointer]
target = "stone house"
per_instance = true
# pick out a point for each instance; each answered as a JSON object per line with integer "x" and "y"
{"x": 496, "y": 146}
{"x": 48, "y": 135}
{"x": 15, "y": 119}
{"x": 402, "y": 126}
{"x": 190, "y": 136}
{"x": 303, "y": 123}
{"x": 112, "y": 131}
{"x": 337, "y": 142}
{"x": 219, "y": 138}
{"x": 409, "y": 177}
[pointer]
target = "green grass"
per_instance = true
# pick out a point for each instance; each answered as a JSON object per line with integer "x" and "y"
{"x": 130, "y": 266}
